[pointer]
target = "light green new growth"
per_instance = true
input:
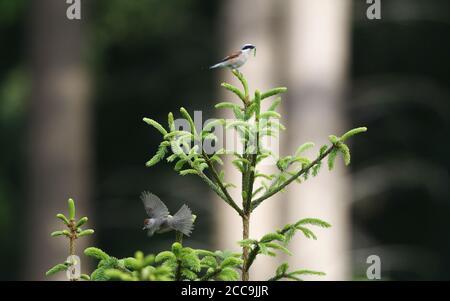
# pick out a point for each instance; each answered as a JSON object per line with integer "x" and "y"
{"x": 156, "y": 125}
{"x": 282, "y": 272}
{"x": 180, "y": 263}
{"x": 71, "y": 204}
{"x": 60, "y": 267}
{"x": 279, "y": 239}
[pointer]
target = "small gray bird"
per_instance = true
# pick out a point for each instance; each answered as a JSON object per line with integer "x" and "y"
{"x": 161, "y": 221}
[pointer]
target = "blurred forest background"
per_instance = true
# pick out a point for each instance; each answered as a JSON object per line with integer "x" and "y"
{"x": 73, "y": 94}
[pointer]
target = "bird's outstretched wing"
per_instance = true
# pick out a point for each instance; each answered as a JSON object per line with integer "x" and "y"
{"x": 153, "y": 205}
{"x": 232, "y": 56}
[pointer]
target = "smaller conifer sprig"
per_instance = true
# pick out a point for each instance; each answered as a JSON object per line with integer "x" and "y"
{"x": 72, "y": 232}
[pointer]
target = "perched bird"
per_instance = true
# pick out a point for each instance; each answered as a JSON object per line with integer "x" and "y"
{"x": 161, "y": 221}
{"x": 236, "y": 59}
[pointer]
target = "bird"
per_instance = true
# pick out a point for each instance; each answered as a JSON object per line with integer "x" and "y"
{"x": 236, "y": 59}
{"x": 160, "y": 221}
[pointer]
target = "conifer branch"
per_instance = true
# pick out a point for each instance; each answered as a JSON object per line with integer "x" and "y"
{"x": 226, "y": 196}
{"x": 251, "y": 257}
{"x": 302, "y": 171}
{"x": 254, "y": 156}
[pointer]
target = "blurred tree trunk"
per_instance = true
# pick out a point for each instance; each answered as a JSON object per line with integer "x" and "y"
{"x": 250, "y": 21}
{"x": 302, "y": 44}
{"x": 59, "y": 132}
{"x": 317, "y": 41}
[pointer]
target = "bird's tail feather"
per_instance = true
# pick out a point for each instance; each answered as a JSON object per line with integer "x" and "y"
{"x": 182, "y": 220}
{"x": 215, "y": 66}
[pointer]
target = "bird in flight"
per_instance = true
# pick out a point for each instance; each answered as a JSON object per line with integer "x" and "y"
{"x": 160, "y": 221}
{"x": 236, "y": 59}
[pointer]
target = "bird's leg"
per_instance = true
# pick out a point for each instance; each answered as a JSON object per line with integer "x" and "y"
{"x": 179, "y": 237}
